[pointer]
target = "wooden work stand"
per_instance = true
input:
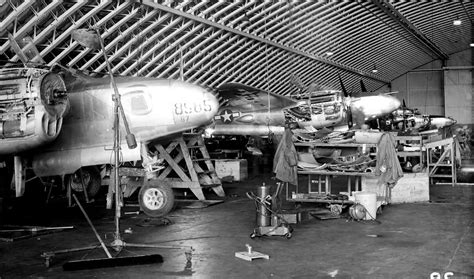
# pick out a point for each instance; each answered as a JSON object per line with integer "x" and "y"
{"x": 324, "y": 178}
{"x": 187, "y": 166}
{"x": 188, "y": 158}
{"x": 441, "y": 160}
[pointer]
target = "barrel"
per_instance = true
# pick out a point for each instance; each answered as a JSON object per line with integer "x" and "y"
{"x": 369, "y": 201}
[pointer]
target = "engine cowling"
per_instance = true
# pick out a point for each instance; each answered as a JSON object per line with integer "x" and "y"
{"x": 33, "y": 102}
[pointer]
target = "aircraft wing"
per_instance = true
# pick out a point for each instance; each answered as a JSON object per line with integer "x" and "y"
{"x": 246, "y": 98}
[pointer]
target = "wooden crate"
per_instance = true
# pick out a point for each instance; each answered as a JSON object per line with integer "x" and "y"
{"x": 412, "y": 187}
{"x": 236, "y": 168}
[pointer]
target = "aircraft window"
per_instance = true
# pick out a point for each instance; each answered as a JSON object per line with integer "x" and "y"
{"x": 137, "y": 102}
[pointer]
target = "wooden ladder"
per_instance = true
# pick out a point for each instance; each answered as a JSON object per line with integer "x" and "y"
{"x": 196, "y": 172}
{"x": 446, "y": 161}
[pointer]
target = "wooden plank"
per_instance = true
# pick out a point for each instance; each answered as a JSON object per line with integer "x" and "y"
{"x": 323, "y": 172}
{"x": 124, "y": 171}
{"x": 172, "y": 163}
{"x": 441, "y": 158}
{"x": 187, "y": 159}
{"x": 439, "y": 143}
{"x": 168, "y": 169}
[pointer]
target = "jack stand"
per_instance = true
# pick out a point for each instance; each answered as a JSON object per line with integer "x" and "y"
{"x": 276, "y": 229}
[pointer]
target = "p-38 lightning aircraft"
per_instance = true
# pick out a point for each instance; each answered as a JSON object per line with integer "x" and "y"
{"x": 249, "y": 111}
{"x": 405, "y": 117}
{"x": 246, "y": 110}
{"x": 81, "y": 140}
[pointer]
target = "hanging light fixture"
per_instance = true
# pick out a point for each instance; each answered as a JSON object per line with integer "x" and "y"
{"x": 457, "y": 21}
{"x": 374, "y": 70}
{"x": 329, "y": 52}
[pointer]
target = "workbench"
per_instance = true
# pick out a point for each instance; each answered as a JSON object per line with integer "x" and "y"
{"x": 324, "y": 177}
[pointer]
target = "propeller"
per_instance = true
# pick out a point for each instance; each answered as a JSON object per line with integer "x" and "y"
{"x": 350, "y": 122}
{"x": 362, "y": 86}
{"x": 403, "y": 114}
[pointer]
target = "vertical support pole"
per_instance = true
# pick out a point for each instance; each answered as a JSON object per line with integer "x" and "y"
{"x": 116, "y": 148}
{"x": 309, "y": 183}
{"x": 328, "y": 190}
{"x": 19, "y": 176}
{"x": 319, "y": 184}
{"x": 349, "y": 184}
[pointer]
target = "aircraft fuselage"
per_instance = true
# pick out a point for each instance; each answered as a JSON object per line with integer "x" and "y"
{"x": 154, "y": 108}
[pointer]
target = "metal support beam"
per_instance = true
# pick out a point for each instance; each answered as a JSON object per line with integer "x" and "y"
{"x": 13, "y": 15}
{"x": 144, "y": 44}
{"x": 121, "y": 36}
{"x": 34, "y": 20}
{"x": 266, "y": 41}
{"x": 73, "y": 27}
{"x": 101, "y": 22}
{"x": 399, "y": 19}
{"x": 53, "y": 25}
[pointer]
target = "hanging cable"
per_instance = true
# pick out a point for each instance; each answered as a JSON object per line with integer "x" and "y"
{"x": 267, "y": 88}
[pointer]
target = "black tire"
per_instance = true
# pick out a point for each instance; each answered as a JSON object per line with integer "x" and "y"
{"x": 92, "y": 180}
{"x": 156, "y": 198}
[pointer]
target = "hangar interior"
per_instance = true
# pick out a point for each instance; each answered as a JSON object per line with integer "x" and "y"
{"x": 262, "y": 139}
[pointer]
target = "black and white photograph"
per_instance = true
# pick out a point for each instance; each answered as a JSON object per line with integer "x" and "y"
{"x": 236, "y": 139}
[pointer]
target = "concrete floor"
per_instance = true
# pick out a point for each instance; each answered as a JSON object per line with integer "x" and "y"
{"x": 411, "y": 241}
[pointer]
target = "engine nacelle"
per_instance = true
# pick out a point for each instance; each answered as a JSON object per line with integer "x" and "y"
{"x": 32, "y": 104}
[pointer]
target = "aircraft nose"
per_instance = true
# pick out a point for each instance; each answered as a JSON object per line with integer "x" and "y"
{"x": 393, "y": 102}
{"x": 212, "y": 103}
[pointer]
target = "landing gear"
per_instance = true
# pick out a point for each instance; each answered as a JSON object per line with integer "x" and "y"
{"x": 85, "y": 178}
{"x": 156, "y": 198}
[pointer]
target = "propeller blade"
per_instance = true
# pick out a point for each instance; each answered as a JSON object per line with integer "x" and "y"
{"x": 362, "y": 86}
{"x": 403, "y": 115}
{"x": 350, "y": 122}
{"x": 342, "y": 86}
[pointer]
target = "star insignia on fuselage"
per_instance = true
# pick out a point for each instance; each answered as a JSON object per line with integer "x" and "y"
{"x": 227, "y": 116}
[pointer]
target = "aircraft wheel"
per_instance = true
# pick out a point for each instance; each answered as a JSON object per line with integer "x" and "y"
{"x": 90, "y": 176}
{"x": 253, "y": 235}
{"x": 156, "y": 198}
{"x": 288, "y": 235}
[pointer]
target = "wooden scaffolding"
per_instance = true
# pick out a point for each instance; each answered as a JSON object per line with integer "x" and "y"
{"x": 189, "y": 165}
{"x": 441, "y": 160}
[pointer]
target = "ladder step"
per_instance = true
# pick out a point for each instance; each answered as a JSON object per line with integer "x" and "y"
{"x": 196, "y": 146}
{"x": 205, "y": 172}
{"x": 441, "y": 165}
{"x": 441, "y": 175}
{"x": 210, "y": 185}
{"x": 202, "y": 159}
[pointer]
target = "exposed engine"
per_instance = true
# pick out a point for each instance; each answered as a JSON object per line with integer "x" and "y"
{"x": 32, "y": 104}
